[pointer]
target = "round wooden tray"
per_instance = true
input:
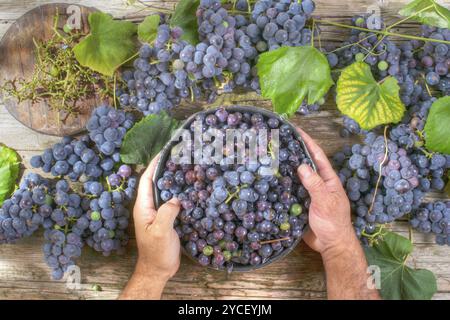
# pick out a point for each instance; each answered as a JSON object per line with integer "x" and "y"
{"x": 17, "y": 58}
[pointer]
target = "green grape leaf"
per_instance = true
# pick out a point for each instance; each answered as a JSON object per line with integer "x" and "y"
{"x": 185, "y": 17}
{"x": 289, "y": 75}
{"x": 9, "y": 171}
{"x": 109, "y": 44}
{"x": 437, "y": 130}
{"x": 366, "y": 101}
{"x": 398, "y": 281}
{"x": 427, "y": 12}
{"x": 148, "y": 29}
{"x": 147, "y": 137}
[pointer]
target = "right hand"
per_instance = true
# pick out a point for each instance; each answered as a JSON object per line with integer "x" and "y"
{"x": 331, "y": 230}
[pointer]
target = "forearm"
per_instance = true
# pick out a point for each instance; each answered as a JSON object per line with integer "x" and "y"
{"x": 346, "y": 273}
{"x": 144, "y": 286}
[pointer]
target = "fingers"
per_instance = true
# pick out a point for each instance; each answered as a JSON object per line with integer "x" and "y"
{"x": 144, "y": 208}
{"x": 320, "y": 158}
{"x": 166, "y": 215}
{"x": 145, "y": 190}
{"x": 312, "y": 182}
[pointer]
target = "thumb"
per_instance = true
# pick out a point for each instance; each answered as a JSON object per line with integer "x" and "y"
{"x": 312, "y": 181}
{"x": 167, "y": 214}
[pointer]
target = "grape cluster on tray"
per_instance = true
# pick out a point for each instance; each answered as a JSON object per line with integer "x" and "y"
{"x": 239, "y": 214}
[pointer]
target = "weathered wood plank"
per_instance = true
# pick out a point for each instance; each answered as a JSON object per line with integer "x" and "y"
{"x": 298, "y": 276}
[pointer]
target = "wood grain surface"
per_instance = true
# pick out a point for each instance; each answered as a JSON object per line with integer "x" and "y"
{"x": 24, "y": 275}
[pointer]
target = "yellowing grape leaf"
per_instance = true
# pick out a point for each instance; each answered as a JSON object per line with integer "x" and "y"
{"x": 365, "y": 100}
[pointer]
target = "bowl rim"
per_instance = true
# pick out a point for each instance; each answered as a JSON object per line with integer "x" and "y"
{"x": 165, "y": 153}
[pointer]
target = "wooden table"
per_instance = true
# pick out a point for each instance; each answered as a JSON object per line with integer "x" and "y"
{"x": 24, "y": 274}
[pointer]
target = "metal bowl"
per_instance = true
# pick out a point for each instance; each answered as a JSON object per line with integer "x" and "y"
{"x": 165, "y": 154}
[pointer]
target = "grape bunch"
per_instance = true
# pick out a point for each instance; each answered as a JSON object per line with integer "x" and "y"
{"x": 107, "y": 128}
{"x": 410, "y": 136}
{"x": 24, "y": 212}
{"x": 226, "y": 50}
{"x": 384, "y": 57}
{"x": 97, "y": 217}
{"x": 280, "y": 23}
{"x": 64, "y": 230}
{"x": 61, "y": 251}
{"x": 379, "y": 52}
{"x": 382, "y": 185}
{"x": 432, "y": 62}
{"x": 158, "y": 81}
{"x": 433, "y": 218}
{"x": 170, "y": 69}
{"x": 108, "y": 216}
{"x": 70, "y": 157}
{"x": 238, "y": 214}
{"x": 432, "y": 170}
{"x": 275, "y": 24}
{"x": 418, "y": 66}
{"x": 432, "y": 167}
{"x": 92, "y": 156}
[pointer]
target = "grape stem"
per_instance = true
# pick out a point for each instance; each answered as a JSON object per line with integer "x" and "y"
{"x": 382, "y": 32}
{"x": 108, "y": 185}
{"x": 380, "y": 169}
{"x": 408, "y": 17}
{"x": 352, "y": 44}
{"x": 234, "y": 194}
{"x": 374, "y": 236}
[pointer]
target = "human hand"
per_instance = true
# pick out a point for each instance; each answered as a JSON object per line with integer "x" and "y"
{"x": 331, "y": 230}
{"x": 157, "y": 241}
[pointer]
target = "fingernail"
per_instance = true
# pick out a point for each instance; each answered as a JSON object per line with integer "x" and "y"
{"x": 174, "y": 201}
{"x": 305, "y": 171}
